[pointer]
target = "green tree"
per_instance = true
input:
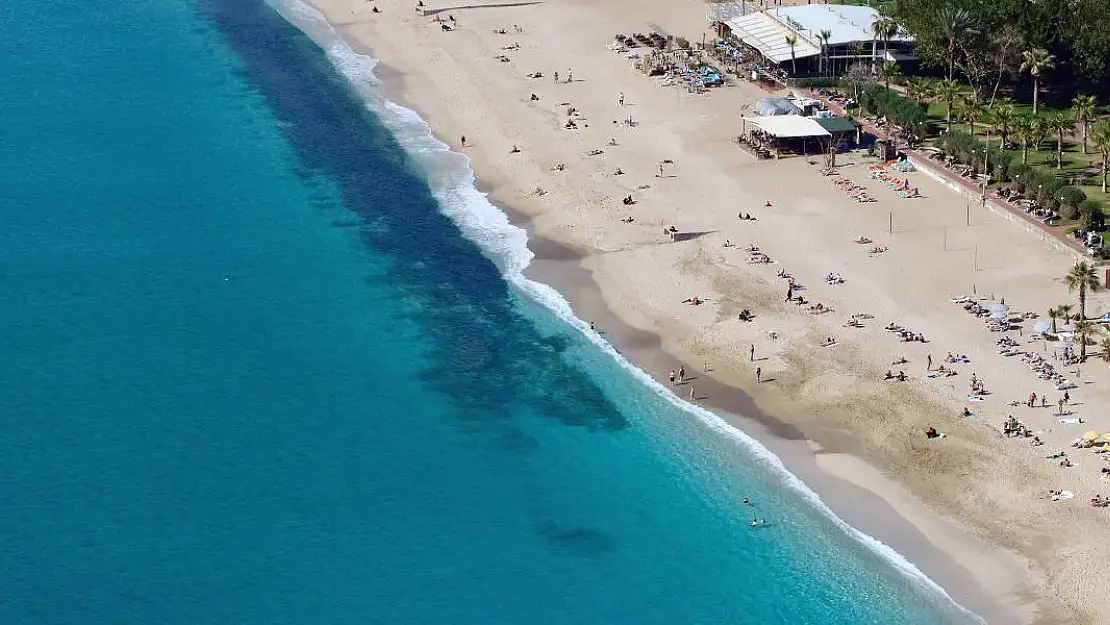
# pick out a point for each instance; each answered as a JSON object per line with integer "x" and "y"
{"x": 1083, "y": 278}
{"x": 1023, "y": 134}
{"x": 1036, "y": 61}
{"x": 955, "y": 24}
{"x": 1100, "y": 136}
{"x": 1055, "y": 315}
{"x": 1085, "y": 332}
{"x": 1083, "y": 107}
{"x": 884, "y": 28}
{"x": 824, "y": 36}
{"x": 1039, "y": 130}
{"x": 1004, "y": 117}
{"x": 1060, "y": 124}
{"x": 792, "y": 40}
{"x": 918, "y": 89}
{"x": 947, "y": 92}
{"x": 1065, "y": 311}
{"x": 889, "y": 69}
{"x": 972, "y": 111}
{"x": 1105, "y": 345}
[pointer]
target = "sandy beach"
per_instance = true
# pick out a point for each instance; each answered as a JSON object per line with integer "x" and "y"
{"x": 970, "y": 509}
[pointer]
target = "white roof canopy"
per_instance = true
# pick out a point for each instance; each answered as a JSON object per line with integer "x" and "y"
{"x": 789, "y": 126}
{"x": 767, "y": 35}
{"x": 845, "y": 23}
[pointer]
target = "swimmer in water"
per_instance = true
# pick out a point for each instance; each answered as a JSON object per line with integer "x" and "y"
{"x": 758, "y": 522}
{"x": 746, "y": 502}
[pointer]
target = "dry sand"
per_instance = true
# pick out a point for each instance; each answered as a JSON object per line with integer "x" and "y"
{"x": 1036, "y": 560}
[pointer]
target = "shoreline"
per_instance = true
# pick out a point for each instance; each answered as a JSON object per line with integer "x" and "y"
{"x": 1026, "y": 572}
{"x": 856, "y": 492}
{"x": 975, "y": 575}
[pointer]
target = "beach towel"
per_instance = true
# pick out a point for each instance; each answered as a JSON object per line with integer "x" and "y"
{"x": 1071, "y": 421}
{"x": 1066, "y": 494}
{"x": 974, "y": 398}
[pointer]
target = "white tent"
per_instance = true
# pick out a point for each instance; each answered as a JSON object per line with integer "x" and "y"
{"x": 789, "y": 126}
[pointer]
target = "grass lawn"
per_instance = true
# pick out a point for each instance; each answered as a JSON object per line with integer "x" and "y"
{"x": 1081, "y": 170}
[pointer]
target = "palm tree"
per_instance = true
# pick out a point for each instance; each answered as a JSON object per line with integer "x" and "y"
{"x": 917, "y": 88}
{"x": 972, "y": 111}
{"x": 947, "y": 91}
{"x": 1065, "y": 311}
{"x": 1060, "y": 124}
{"x": 955, "y": 24}
{"x": 885, "y": 28}
{"x": 1085, "y": 331}
{"x": 1054, "y": 314}
{"x": 857, "y": 49}
{"x": 1083, "y": 278}
{"x": 792, "y": 40}
{"x": 824, "y": 36}
{"x": 1083, "y": 107}
{"x": 1023, "y": 134}
{"x": 1100, "y": 136}
{"x": 1036, "y": 62}
{"x": 1039, "y": 130}
{"x": 1105, "y": 345}
{"x": 889, "y": 69}
{"x": 1004, "y": 120}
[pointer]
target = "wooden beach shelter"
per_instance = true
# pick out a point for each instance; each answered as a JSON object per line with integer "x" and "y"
{"x": 787, "y": 132}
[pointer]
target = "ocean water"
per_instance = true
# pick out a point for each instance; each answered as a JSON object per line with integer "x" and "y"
{"x": 269, "y": 358}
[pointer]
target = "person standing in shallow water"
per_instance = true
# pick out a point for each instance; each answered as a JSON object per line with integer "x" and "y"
{"x": 463, "y": 141}
{"x": 758, "y": 375}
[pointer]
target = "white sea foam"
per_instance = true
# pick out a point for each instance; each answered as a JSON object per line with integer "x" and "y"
{"x": 453, "y": 184}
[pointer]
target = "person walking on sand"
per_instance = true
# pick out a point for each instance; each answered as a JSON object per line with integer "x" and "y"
{"x": 671, "y": 376}
{"x": 570, "y": 76}
{"x": 758, "y": 375}
{"x": 692, "y": 396}
{"x": 929, "y": 362}
{"x": 463, "y": 141}
{"x": 620, "y": 99}
{"x": 751, "y": 353}
{"x": 556, "y": 77}
{"x": 681, "y": 374}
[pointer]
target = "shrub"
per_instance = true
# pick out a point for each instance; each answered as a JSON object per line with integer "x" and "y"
{"x": 1000, "y": 163}
{"x": 682, "y": 43}
{"x": 1091, "y": 215}
{"x": 895, "y": 107}
{"x": 816, "y": 82}
{"x": 1073, "y": 196}
{"x": 1016, "y": 169}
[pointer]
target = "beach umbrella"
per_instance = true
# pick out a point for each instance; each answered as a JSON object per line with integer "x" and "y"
{"x": 1092, "y": 435}
{"x": 998, "y": 315}
{"x": 1105, "y": 438}
{"x": 1042, "y": 326}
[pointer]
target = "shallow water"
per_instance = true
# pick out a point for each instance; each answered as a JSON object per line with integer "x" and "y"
{"x": 263, "y": 366}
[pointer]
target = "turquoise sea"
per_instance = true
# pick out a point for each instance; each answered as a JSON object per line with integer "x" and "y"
{"x": 268, "y": 358}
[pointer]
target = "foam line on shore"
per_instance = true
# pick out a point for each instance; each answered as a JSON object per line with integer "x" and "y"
{"x": 453, "y": 184}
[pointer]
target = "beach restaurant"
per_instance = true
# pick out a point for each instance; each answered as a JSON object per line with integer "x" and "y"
{"x": 775, "y": 134}
{"x": 851, "y": 38}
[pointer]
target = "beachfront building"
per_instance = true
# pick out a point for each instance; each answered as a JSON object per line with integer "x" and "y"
{"x": 773, "y": 136}
{"x": 850, "y": 37}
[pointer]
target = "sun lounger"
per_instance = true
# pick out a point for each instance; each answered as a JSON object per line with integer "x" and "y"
{"x": 1064, "y": 494}
{"x": 1071, "y": 421}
